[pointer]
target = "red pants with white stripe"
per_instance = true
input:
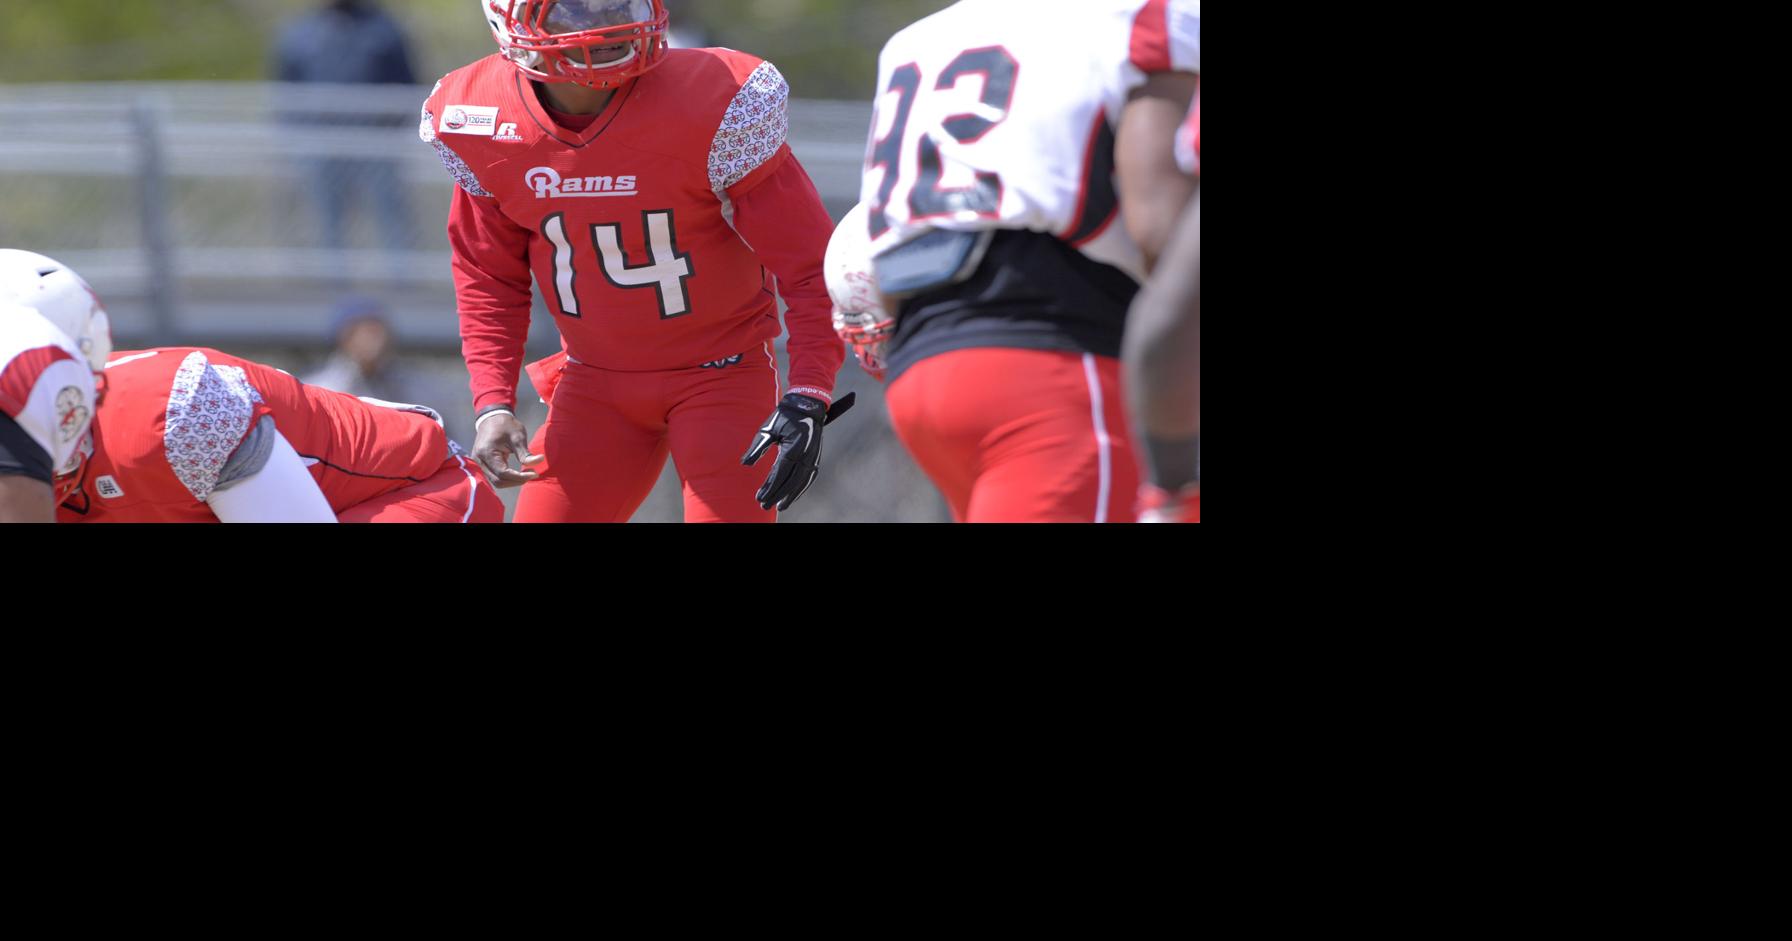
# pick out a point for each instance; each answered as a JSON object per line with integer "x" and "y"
{"x": 608, "y": 434}
{"x": 457, "y": 493}
{"x": 1020, "y": 436}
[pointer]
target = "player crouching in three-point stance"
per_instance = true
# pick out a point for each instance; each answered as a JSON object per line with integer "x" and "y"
{"x": 651, "y": 194}
{"x": 1019, "y": 185}
{"x": 187, "y": 434}
{"x": 194, "y": 435}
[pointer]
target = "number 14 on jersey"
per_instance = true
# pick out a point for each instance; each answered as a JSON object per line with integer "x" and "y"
{"x": 667, "y": 270}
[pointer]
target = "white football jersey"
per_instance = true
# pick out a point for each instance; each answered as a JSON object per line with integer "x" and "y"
{"x": 1001, "y": 114}
{"x": 46, "y": 386}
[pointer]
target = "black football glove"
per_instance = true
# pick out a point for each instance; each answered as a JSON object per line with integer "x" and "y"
{"x": 796, "y": 429}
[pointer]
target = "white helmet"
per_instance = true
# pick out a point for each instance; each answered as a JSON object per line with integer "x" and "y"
{"x": 61, "y": 297}
{"x": 859, "y": 316}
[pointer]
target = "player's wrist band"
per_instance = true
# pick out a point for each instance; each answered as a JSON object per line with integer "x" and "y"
{"x": 489, "y": 412}
{"x": 812, "y": 392}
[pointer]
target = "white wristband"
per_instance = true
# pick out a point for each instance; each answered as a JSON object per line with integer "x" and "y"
{"x": 495, "y": 411}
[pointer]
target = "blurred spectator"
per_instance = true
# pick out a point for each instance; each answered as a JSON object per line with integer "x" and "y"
{"x": 349, "y": 42}
{"x": 361, "y": 363}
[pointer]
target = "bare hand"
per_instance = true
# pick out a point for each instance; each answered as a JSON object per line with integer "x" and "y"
{"x": 499, "y": 439}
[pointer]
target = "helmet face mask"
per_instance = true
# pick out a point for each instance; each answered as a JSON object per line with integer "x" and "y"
{"x": 60, "y": 296}
{"x": 595, "y": 43}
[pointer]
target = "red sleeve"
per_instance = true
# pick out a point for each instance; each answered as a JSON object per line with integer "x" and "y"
{"x": 491, "y": 284}
{"x": 781, "y": 216}
{"x": 21, "y": 374}
{"x": 1151, "y": 37}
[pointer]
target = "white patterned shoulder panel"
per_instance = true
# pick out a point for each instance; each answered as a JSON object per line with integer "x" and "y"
{"x": 427, "y": 130}
{"x": 457, "y": 167}
{"x": 753, "y": 128}
{"x": 210, "y": 409}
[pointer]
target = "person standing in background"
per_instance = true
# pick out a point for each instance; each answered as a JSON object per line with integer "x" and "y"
{"x": 362, "y": 364}
{"x": 349, "y": 42}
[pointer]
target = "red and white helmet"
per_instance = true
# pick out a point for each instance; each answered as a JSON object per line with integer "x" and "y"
{"x": 59, "y": 296}
{"x": 859, "y": 316}
{"x": 596, "y": 43}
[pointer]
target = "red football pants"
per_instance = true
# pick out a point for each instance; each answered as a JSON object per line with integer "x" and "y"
{"x": 608, "y": 433}
{"x": 1020, "y": 436}
{"x": 457, "y": 493}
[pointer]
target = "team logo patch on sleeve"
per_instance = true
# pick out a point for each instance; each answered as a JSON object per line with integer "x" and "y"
{"x": 72, "y": 412}
{"x": 467, "y": 119}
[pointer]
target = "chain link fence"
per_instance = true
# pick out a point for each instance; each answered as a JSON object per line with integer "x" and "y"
{"x": 236, "y": 215}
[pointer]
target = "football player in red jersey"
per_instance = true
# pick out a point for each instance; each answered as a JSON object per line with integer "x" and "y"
{"x": 651, "y": 194}
{"x": 1163, "y": 358}
{"x": 193, "y": 435}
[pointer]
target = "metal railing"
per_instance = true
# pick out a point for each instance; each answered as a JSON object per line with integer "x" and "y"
{"x": 196, "y": 211}
{"x": 233, "y": 211}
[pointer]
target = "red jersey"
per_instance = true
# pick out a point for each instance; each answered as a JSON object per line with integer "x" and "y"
{"x": 649, "y": 232}
{"x": 174, "y": 417}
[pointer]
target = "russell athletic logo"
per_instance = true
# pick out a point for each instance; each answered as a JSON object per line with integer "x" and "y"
{"x": 547, "y": 183}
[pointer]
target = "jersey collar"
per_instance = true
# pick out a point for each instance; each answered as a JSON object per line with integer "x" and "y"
{"x": 542, "y": 119}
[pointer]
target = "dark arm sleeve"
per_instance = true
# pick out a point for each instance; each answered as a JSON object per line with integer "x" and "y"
{"x": 20, "y": 456}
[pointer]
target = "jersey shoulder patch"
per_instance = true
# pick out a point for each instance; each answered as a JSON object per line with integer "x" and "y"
{"x": 455, "y": 164}
{"x": 20, "y": 373}
{"x": 211, "y": 408}
{"x": 46, "y": 386}
{"x": 753, "y": 128}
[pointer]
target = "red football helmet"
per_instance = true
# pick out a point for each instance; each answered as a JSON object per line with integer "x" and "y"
{"x": 595, "y": 43}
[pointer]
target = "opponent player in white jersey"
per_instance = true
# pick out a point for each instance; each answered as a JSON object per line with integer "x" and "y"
{"x": 1019, "y": 184}
{"x": 54, "y": 337}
